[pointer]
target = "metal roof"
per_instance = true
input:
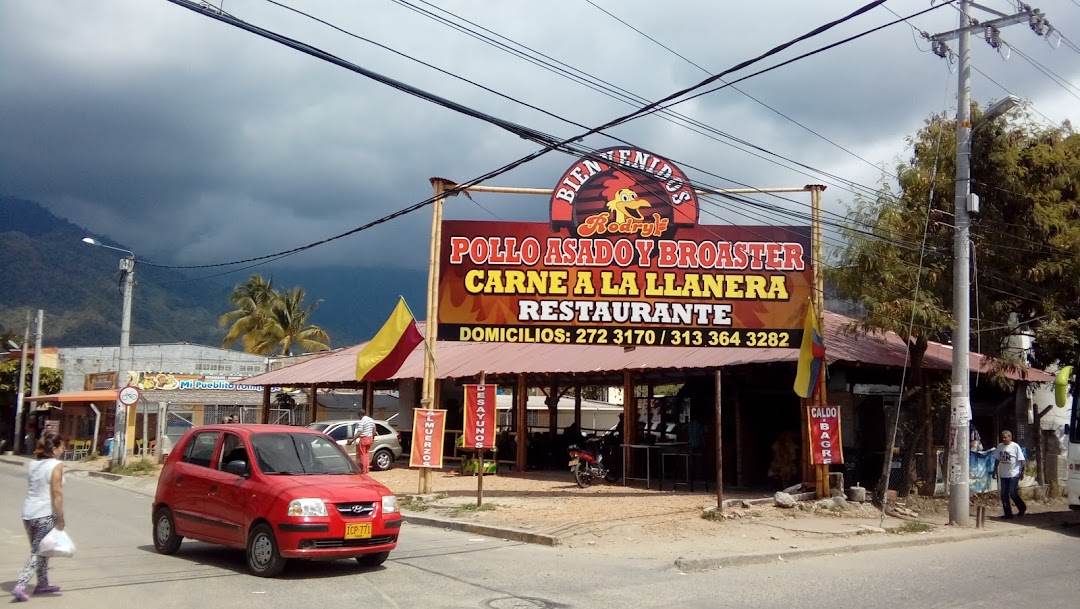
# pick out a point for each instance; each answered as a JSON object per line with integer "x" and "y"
{"x": 468, "y": 359}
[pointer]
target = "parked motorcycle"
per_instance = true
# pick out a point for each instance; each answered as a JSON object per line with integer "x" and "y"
{"x": 587, "y": 461}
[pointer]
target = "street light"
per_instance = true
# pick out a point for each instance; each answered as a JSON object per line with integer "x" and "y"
{"x": 127, "y": 268}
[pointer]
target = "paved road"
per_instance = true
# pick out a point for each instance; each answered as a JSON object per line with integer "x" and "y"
{"x": 117, "y": 567}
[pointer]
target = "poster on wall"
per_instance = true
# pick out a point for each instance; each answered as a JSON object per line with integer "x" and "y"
{"x": 479, "y": 429}
{"x": 826, "y": 447}
{"x": 623, "y": 261}
{"x": 429, "y": 427}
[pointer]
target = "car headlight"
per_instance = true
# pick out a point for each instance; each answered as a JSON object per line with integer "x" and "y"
{"x": 307, "y": 507}
{"x": 389, "y": 504}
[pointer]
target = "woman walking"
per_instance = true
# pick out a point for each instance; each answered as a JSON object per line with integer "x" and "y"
{"x": 43, "y": 510}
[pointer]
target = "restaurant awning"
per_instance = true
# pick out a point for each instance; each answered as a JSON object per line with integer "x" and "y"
{"x": 96, "y": 395}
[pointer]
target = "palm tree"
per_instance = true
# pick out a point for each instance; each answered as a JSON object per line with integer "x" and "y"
{"x": 252, "y": 300}
{"x": 286, "y": 325}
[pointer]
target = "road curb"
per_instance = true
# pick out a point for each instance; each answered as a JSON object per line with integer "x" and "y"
{"x": 105, "y": 475}
{"x": 14, "y": 460}
{"x": 483, "y": 529}
{"x": 690, "y": 565}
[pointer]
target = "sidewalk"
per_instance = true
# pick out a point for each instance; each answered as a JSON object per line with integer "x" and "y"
{"x": 631, "y": 522}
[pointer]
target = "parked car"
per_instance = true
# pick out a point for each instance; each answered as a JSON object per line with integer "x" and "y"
{"x": 275, "y": 491}
{"x": 384, "y": 451}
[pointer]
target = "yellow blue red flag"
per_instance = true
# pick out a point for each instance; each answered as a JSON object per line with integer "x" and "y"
{"x": 811, "y": 355}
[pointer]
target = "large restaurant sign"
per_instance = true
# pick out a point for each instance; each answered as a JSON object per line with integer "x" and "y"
{"x": 624, "y": 261}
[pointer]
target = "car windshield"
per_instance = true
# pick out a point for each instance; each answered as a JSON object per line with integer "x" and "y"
{"x": 298, "y": 454}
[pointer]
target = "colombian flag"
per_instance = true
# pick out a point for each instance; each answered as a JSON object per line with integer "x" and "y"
{"x": 386, "y": 352}
{"x": 811, "y": 355}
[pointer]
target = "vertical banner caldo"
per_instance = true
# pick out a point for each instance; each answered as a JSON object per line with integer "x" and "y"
{"x": 825, "y": 443}
{"x": 480, "y": 416}
{"x": 429, "y": 427}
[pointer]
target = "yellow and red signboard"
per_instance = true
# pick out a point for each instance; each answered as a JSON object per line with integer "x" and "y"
{"x": 429, "y": 427}
{"x": 624, "y": 262}
{"x": 825, "y": 443}
{"x": 479, "y": 429}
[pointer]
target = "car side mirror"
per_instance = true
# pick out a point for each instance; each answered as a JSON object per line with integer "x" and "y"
{"x": 238, "y": 468}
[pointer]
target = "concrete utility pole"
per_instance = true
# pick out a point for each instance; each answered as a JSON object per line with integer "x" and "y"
{"x": 20, "y": 394}
{"x": 960, "y": 415}
{"x": 35, "y": 377}
{"x": 127, "y": 270}
{"x": 127, "y": 267}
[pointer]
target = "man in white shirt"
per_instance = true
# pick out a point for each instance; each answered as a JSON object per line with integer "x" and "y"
{"x": 1010, "y": 464}
{"x": 365, "y": 437}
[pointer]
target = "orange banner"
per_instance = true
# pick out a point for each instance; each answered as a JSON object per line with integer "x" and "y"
{"x": 429, "y": 427}
{"x": 480, "y": 416}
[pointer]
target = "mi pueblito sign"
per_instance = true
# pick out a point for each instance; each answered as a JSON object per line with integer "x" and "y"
{"x": 825, "y": 443}
{"x": 624, "y": 261}
{"x": 479, "y": 431}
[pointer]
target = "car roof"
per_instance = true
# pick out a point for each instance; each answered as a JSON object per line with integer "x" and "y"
{"x": 255, "y": 428}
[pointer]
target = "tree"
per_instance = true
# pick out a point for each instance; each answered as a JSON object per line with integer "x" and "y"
{"x": 267, "y": 320}
{"x": 1026, "y": 249}
{"x": 51, "y": 380}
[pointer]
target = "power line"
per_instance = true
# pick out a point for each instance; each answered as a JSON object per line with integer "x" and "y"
{"x": 549, "y": 142}
{"x": 699, "y": 67}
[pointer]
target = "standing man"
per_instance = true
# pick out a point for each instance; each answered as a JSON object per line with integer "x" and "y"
{"x": 1010, "y": 461}
{"x": 365, "y": 437}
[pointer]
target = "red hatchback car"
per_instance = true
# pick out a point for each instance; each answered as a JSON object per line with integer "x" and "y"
{"x": 276, "y": 492}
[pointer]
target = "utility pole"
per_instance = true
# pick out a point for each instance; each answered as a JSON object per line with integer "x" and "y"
{"x": 35, "y": 377}
{"x": 959, "y": 474}
{"x": 20, "y": 394}
{"x": 127, "y": 267}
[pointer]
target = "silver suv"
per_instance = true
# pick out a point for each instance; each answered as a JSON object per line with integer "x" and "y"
{"x": 384, "y": 451}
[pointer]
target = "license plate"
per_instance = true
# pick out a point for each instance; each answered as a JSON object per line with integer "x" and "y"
{"x": 357, "y": 530}
{"x": 574, "y": 461}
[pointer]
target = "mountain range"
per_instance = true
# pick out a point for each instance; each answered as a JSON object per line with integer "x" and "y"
{"x": 45, "y": 265}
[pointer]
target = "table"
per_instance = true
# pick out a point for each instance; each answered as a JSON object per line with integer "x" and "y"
{"x": 648, "y": 459}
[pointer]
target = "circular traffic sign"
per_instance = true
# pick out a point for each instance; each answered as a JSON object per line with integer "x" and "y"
{"x": 129, "y": 395}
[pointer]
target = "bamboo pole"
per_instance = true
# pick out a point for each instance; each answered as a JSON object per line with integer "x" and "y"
{"x": 522, "y": 423}
{"x": 369, "y": 398}
{"x": 820, "y": 396}
{"x": 431, "y": 329}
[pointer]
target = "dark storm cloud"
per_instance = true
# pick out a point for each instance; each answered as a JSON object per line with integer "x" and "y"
{"x": 195, "y": 142}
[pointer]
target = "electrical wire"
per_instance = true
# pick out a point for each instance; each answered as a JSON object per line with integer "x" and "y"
{"x": 548, "y": 142}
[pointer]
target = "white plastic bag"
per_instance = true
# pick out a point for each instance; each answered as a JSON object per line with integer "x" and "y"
{"x": 56, "y": 543}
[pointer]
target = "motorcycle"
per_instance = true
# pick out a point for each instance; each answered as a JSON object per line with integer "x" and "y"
{"x": 587, "y": 461}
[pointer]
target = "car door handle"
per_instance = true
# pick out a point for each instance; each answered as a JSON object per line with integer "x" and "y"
{"x": 213, "y": 489}
{"x": 179, "y": 480}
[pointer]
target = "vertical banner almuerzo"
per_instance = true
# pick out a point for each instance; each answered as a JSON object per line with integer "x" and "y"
{"x": 624, "y": 261}
{"x": 429, "y": 428}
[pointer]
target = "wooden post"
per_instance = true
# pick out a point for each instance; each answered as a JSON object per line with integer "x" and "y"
{"x": 264, "y": 410}
{"x": 577, "y": 405}
{"x": 1040, "y": 470}
{"x": 369, "y": 398}
{"x": 819, "y": 398}
{"x": 313, "y": 403}
{"x": 719, "y": 449}
{"x": 480, "y": 459}
{"x": 428, "y": 395}
{"x": 553, "y": 408}
{"x": 522, "y": 423}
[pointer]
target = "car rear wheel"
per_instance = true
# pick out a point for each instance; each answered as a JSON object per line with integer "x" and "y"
{"x": 166, "y": 541}
{"x": 372, "y": 560}
{"x": 262, "y": 552}
{"x": 384, "y": 459}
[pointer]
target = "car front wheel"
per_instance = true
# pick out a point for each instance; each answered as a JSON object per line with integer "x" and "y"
{"x": 384, "y": 459}
{"x": 166, "y": 541}
{"x": 372, "y": 560}
{"x": 262, "y": 552}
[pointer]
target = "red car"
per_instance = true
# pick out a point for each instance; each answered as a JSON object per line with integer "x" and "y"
{"x": 276, "y": 492}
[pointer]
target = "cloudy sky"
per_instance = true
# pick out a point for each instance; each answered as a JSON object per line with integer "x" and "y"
{"x": 195, "y": 142}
